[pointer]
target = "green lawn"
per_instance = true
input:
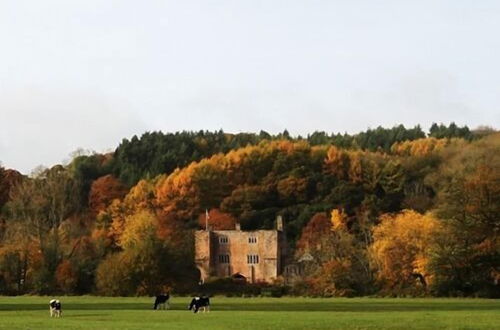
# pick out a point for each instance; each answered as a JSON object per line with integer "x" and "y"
{"x": 88, "y": 312}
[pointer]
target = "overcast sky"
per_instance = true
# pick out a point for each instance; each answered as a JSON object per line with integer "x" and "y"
{"x": 87, "y": 73}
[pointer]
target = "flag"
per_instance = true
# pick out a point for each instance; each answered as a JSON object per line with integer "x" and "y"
{"x": 206, "y": 219}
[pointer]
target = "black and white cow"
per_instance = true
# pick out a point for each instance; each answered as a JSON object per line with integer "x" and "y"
{"x": 198, "y": 303}
{"x": 55, "y": 308}
{"x": 162, "y": 300}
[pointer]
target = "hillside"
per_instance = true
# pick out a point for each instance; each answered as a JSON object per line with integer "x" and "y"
{"x": 383, "y": 211}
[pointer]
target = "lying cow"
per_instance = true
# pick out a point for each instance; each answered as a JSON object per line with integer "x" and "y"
{"x": 55, "y": 308}
{"x": 162, "y": 300}
{"x": 198, "y": 303}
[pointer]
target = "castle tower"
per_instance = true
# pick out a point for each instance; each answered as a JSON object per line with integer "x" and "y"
{"x": 279, "y": 223}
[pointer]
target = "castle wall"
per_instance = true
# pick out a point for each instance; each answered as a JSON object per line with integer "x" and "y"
{"x": 254, "y": 254}
{"x": 203, "y": 250}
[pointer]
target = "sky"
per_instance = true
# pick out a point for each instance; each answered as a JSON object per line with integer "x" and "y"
{"x": 88, "y": 73}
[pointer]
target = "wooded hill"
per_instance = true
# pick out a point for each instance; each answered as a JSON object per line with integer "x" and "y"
{"x": 388, "y": 211}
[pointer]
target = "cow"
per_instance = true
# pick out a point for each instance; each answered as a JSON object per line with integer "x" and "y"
{"x": 200, "y": 302}
{"x": 162, "y": 300}
{"x": 55, "y": 308}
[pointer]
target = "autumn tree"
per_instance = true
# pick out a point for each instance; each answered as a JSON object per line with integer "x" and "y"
{"x": 402, "y": 250}
{"x": 8, "y": 179}
{"x": 217, "y": 220}
{"x": 318, "y": 226}
{"x": 16, "y": 256}
{"x": 468, "y": 186}
{"x": 40, "y": 205}
{"x": 103, "y": 191}
{"x": 420, "y": 147}
{"x": 339, "y": 266}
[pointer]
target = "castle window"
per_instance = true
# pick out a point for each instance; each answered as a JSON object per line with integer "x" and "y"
{"x": 223, "y": 239}
{"x": 224, "y": 258}
{"x": 252, "y": 240}
{"x": 252, "y": 259}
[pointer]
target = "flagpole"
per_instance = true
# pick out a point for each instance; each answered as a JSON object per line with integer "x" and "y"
{"x": 206, "y": 219}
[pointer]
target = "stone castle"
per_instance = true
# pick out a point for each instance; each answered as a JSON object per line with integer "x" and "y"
{"x": 251, "y": 256}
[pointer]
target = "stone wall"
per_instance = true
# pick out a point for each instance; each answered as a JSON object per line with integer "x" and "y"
{"x": 224, "y": 253}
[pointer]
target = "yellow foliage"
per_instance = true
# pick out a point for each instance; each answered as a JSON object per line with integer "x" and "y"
{"x": 337, "y": 162}
{"x": 338, "y": 219}
{"x": 420, "y": 147}
{"x": 402, "y": 247}
{"x": 355, "y": 168}
{"x": 139, "y": 228}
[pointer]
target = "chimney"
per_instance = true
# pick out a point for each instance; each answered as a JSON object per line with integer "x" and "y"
{"x": 279, "y": 223}
{"x": 237, "y": 225}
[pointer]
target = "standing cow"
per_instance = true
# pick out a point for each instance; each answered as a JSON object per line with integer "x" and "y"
{"x": 55, "y": 308}
{"x": 200, "y": 302}
{"x": 162, "y": 301}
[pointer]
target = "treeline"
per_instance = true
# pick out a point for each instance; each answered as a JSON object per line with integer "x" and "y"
{"x": 156, "y": 153}
{"x": 387, "y": 211}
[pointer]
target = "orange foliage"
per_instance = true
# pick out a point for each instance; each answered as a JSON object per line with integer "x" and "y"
{"x": 66, "y": 276}
{"x": 103, "y": 191}
{"x": 338, "y": 220}
{"x": 334, "y": 279}
{"x": 217, "y": 220}
{"x": 177, "y": 193}
{"x": 8, "y": 178}
{"x": 318, "y": 226}
{"x": 337, "y": 162}
{"x": 169, "y": 227}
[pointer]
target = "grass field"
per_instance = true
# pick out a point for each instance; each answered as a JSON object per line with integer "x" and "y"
{"x": 89, "y": 312}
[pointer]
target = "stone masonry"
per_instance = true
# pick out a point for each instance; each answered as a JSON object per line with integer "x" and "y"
{"x": 255, "y": 255}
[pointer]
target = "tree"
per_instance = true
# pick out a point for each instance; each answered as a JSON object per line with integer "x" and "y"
{"x": 8, "y": 179}
{"x": 340, "y": 267}
{"x": 401, "y": 251}
{"x": 103, "y": 191}
{"x": 468, "y": 186}
{"x": 217, "y": 220}
{"x": 40, "y": 205}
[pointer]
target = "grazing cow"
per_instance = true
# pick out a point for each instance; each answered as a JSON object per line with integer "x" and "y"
{"x": 198, "y": 303}
{"x": 55, "y": 308}
{"x": 162, "y": 300}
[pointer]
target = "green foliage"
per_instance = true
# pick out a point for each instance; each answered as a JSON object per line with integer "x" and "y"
{"x": 441, "y": 131}
{"x": 157, "y": 153}
{"x": 67, "y": 228}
